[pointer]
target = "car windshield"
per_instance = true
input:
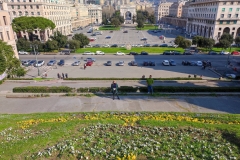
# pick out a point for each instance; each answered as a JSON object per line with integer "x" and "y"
{"x": 108, "y": 61}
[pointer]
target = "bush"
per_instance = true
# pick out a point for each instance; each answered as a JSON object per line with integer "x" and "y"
{"x": 42, "y": 89}
{"x": 127, "y": 89}
{"x": 20, "y": 79}
{"x": 1, "y": 81}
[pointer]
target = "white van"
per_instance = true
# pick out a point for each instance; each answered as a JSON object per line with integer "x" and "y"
{"x": 100, "y": 53}
{"x": 98, "y": 33}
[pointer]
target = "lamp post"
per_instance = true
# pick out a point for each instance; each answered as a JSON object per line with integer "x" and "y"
{"x": 35, "y": 47}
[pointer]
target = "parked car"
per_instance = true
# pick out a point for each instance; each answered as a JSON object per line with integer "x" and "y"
{"x": 108, "y": 37}
{"x": 121, "y": 63}
{"x": 199, "y": 63}
{"x": 133, "y": 63}
{"x": 106, "y": 45}
{"x": 61, "y": 62}
{"x": 26, "y": 62}
{"x": 22, "y": 53}
{"x": 126, "y": 31}
{"x": 39, "y": 63}
{"x": 155, "y": 45}
{"x": 188, "y": 53}
{"x": 52, "y": 62}
{"x": 90, "y": 59}
{"x": 212, "y": 53}
{"x": 76, "y": 63}
{"x": 88, "y": 53}
{"x": 163, "y": 45}
{"x": 176, "y": 53}
{"x": 65, "y": 52}
{"x": 120, "y": 53}
{"x": 145, "y": 63}
{"x": 99, "y": 53}
{"x": 32, "y": 62}
{"x": 144, "y": 53}
{"x": 147, "y": 45}
{"x": 133, "y": 53}
{"x": 97, "y": 46}
{"x": 88, "y": 46}
{"x": 224, "y": 52}
{"x": 165, "y": 62}
{"x": 143, "y": 39}
{"x": 139, "y": 45}
{"x": 167, "y": 53}
{"x": 186, "y": 63}
{"x": 172, "y": 62}
{"x": 111, "y": 32}
{"x": 151, "y": 63}
{"x": 89, "y": 63}
{"x": 109, "y": 63}
{"x": 235, "y": 53}
{"x": 114, "y": 45}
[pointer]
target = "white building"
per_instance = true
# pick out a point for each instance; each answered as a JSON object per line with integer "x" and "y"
{"x": 162, "y": 10}
{"x": 95, "y": 13}
{"x": 212, "y": 18}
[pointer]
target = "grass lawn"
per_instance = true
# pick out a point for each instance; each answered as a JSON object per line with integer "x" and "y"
{"x": 40, "y": 79}
{"x": 148, "y": 27}
{"x": 115, "y": 135}
{"x": 108, "y": 27}
{"x": 220, "y": 49}
{"x": 135, "y": 49}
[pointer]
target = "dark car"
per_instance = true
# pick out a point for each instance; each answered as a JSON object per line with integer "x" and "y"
{"x": 32, "y": 62}
{"x": 65, "y": 52}
{"x": 144, "y": 53}
{"x": 125, "y": 31}
{"x": 186, "y": 63}
{"x": 188, "y": 53}
{"x": 97, "y": 46}
{"x": 111, "y": 32}
{"x": 109, "y": 63}
{"x": 52, "y": 62}
{"x": 167, "y": 53}
{"x": 147, "y": 45}
{"x": 152, "y": 63}
{"x": 133, "y": 63}
{"x": 61, "y": 62}
{"x": 163, "y": 45}
{"x": 143, "y": 39}
{"x": 176, "y": 53}
{"x": 172, "y": 62}
{"x": 155, "y": 45}
{"x": 145, "y": 63}
{"x": 114, "y": 45}
{"x": 89, "y": 31}
{"x": 108, "y": 37}
{"x": 133, "y": 53}
{"x": 212, "y": 53}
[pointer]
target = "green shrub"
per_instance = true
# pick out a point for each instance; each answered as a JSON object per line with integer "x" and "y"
{"x": 79, "y": 90}
{"x": 127, "y": 89}
{"x": 20, "y": 78}
{"x": 42, "y": 89}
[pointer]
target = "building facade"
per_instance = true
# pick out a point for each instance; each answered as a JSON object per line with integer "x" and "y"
{"x": 175, "y": 10}
{"x": 6, "y": 31}
{"x": 212, "y": 18}
{"x": 57, "y": 11}
{"x": 95, "y": 13}
{"x": 162, "y": 10}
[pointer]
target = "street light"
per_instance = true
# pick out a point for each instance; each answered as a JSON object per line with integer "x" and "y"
{"x": 35, "y": 47}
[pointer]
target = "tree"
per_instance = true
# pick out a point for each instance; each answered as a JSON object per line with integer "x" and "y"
{"x": 20, "y": 72}
{"x": 152, "y": 19}
{"x": 227, "y": 37}
{"x": 224, "y": 43}
{"x": 83, "y": 40}
{"x": 208, "y": 43}
{"x": 115, "y": 22}
{"x": 60, "y": 38}
{"x": 23, "y": 44}
{"x": 3, "y": 64}
{"x": 178, "y": 40}
{"x": 11, "y": 62}
{"x": 134, "y": 19}
{"x": 198, "y": 40}
{"x": 29, "y": 24}
{"x": 140, "y": 24}
{"x": 73, "y": 44}
{"x": 52, "y": 45}
{"x": 185, "y": 43}
{"x": 237, "y": 40}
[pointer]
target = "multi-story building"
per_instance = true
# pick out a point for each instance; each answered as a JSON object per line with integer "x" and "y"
{"x": 162, "y": 10}
{"x": 212, "y": 18}
{"x": 6, "y": 31}
{"x": 56, "y": 10}
{"x": 95, "y": 13}
{"x": 79, "y": 14}
{"x": 185, "y": 10}
{"x": 175, "y": 10}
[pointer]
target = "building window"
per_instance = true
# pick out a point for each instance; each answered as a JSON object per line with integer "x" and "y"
{"x": 14, "y": 13}
{"x": 230, "y": 9}
{"x": 32, "y": 13}
{"x": 234, "y": 22}
{"x": 221, "y": 22}
{"x": 18, "y": 7}
{"x": 18, "y": 0}
{"x": 37, "y": 7}
{"x": 8, "y": 35}
{"x": 26, "y": 13}
{"x": 233, "y": 28}
{"x": 237, "y": 9}
{"x": 229, "y": 15}
{"x": 232, "y": 3}
{"x": 38, "y": 13}
{"x": 12, "y": 7}
{"x": 20, "y": 13}
{"x": 222, "y": 15}
{"x": 224, "y": 3}
{"x": 5, "y": 20}
{"x": 31, "y": 6}
{"x": 236, "y": 15}
{"x": 1, "y": 36}
{"x": 228, "y": 22}
{"x": 25, "y": 7}
{"x": 223, "y": 9}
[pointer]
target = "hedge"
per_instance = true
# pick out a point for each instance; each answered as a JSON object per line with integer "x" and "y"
{"x": 107, "y": 89}
{"x": 1, "y": 81}
{"x": 174, "y": 78}
{"x": 20, "y": 79}
{"x": 42, "y": 89}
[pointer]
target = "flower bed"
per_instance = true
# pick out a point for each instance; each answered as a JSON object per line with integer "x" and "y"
{"x": 120, "y": 135}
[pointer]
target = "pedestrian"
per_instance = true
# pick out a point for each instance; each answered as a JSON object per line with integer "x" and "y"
{"x": 66, "y": 75}
{"x": 85, "y": 66}
{"x": 62, "y": 75}
{"x": 149, "y": 84}
{"x": 114, "y": 89}
{"x": 58, "y": 75}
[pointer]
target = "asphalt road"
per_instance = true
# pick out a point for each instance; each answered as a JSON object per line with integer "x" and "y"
{"x": 99, "y": 69}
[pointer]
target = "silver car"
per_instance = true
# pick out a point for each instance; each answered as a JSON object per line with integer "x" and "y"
{"x": 77, "y": 63}
{"x": 51, "y": 62}
{"x": 121, "y": 63}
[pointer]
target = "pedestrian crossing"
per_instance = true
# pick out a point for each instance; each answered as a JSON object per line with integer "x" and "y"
{"x": 42, "y": 67}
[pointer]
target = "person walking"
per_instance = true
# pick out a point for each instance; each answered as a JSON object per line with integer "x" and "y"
{"x": 85, "y": 66}
{"x": 114, "y": 89}
{"x": 62, "y": 75}
{"x": 66, "y": 75}
{"x": 149, "y": 84}
{"x": 58, "y": 75}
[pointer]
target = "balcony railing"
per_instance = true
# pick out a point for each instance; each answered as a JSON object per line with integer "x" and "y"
{"x": 229, "y": 18}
